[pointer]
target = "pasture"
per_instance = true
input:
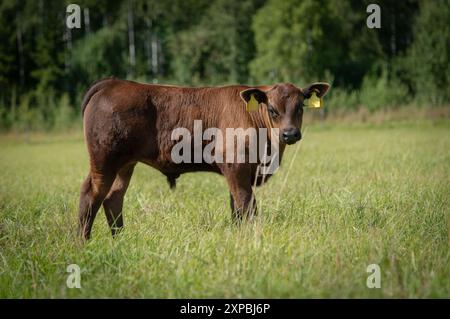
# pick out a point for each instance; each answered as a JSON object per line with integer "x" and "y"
{"x": 345, "y": 197}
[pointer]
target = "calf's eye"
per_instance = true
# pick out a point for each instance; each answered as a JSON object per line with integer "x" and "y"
{"x": 272, "y": 112}
{"x": 299, "y": 109}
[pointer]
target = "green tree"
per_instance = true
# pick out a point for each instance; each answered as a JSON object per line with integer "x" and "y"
{"x": 304, "y": 40}
{"x": 101, "y": 54}
{"x": 428, "y": 60}
{"x": 9, "y": 72}
{"x": 219, "y": 48}
{"x": 48, "y": 52}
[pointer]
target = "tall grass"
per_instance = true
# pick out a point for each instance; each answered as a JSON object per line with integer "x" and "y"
{"x": 38, "y": 111}
{"x": 377, "y": 92}
{"x": 355, "y": 195}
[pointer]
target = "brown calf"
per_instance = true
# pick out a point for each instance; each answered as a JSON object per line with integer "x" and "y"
{"x": 127, "y": 122}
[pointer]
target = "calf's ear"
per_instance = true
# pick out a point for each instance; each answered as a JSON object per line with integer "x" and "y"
{"x": 252, "y": 98}
{"x": 320, "y": 88}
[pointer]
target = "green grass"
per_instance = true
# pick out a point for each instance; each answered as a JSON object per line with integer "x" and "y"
{"x": 354, "y": 196}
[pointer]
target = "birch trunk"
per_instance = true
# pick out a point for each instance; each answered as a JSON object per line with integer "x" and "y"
{"x": 131, "y": 47}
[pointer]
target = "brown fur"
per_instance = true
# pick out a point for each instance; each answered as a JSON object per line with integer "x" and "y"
{"x": 127, "y": 122}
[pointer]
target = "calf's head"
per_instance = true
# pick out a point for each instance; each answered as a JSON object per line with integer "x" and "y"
{"x": 282, "y": 106}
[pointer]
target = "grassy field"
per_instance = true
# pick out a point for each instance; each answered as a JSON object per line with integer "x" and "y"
{"x": 353, "y": 196}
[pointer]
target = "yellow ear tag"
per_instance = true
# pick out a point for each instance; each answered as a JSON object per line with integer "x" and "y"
{"x": 252, "y": 104}
{"x": 314, "y": 101}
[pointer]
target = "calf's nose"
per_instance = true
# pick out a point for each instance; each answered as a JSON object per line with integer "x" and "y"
{"x": 291, "y": 135}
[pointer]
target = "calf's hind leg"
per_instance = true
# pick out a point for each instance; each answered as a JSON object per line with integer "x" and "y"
{"x": 113, "y": 203}
{"x": 93, "y": 192}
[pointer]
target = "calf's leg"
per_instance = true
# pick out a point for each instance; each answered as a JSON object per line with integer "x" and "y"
{"x": 231, "y": 203}
{"x": 113, "y": 203}
{"x": 93, "y": 192}
{"x": 243, "y": 203}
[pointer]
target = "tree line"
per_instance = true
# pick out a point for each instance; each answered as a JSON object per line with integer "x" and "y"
{"x": 45, "y": 67}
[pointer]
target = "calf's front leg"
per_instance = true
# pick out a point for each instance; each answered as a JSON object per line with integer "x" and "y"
{"x": 243, "y": 202}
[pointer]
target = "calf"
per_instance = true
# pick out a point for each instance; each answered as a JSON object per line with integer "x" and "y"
{"x": 127, "y": 122}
